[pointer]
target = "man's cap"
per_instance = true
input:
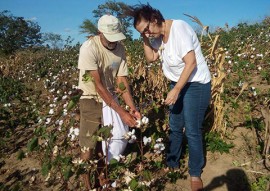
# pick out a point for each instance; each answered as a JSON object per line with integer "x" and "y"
{"x": 111, "y": 28}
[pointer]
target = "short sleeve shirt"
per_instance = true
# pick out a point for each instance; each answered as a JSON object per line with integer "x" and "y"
{"x": 110, "y": 64}
{"x": 182, "y": 39}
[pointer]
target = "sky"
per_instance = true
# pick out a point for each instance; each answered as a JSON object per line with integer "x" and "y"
{"x": 65, "y": 16}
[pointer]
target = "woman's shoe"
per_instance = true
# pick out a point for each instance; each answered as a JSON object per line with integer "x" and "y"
{"x": 196, "y": 184}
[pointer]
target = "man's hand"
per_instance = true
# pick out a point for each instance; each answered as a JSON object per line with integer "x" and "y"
{"x": 128, "y": 119}
{"x": 135, "y": 114}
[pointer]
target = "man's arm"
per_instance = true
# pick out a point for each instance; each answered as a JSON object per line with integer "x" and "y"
{"x": 127, "y": 96}
{"x": 108, "y": 98}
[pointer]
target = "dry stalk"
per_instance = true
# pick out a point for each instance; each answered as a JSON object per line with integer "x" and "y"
{"x": 266, "y": 115}
{"x": 218, "y": 56}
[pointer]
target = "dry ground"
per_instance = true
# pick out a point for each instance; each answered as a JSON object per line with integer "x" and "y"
{"x": 223, "y": 172}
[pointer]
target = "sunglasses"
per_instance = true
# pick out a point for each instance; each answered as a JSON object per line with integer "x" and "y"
{"x": 146, "y": 29}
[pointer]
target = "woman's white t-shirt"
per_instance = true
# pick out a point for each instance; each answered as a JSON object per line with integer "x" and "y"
{"x": 182, "y": 39}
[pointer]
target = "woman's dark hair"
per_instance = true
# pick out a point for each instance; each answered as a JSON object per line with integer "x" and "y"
{"x": 145, "y": 12}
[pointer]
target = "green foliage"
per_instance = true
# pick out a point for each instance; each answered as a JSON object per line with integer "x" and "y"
{"x": 32, "y": 144}
{"x": 105, "y": 131}
{"x": 20, "y": 155}
{"x": 17, "y": 33}
{"x": 52, "y": 40}
{"x": 214, "y": 143}
{"x": 122, "y": 86}
{"x": 261, "y": 184}
{"x": 88, "y": 27}
{"x": 114, "y": 8}
{"x": 45, "y": 168}
{"x": 133, "y": 184}
{"x": 73, "y": 102}
{"x": 11, "y": 89}
{"x": 87, "y": 78}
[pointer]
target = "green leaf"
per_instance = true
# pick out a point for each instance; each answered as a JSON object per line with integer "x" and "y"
{"x": 73, "y": 102}
{"x": 20, "y": 155}
{"x": 133, "y": 184}
{"x": 46, "y": 167}
{"x": 87, "y": 78}
{"x": 67, "y": 172}
{"x": 105, "y": 131}
{"x": 32, "y": 144}
{"x": 122, "y": 86}
{"x": 147, "y": 175}
{"x": 113, "y": 161}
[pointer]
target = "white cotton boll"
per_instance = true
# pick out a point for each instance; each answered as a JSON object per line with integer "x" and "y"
{"x": 114, "y": 184}
{"x": 76, "y": 131}
{"x": 51, "y": 111}
{"x": 40, "y": 120}
{"x": 133, "y": 137}
{"x": 72, "y": 137}
{"x": 48, "y": 120}
{"x": 138, "y": 123}
{"x": 145, "y": 120}
{"x": 55, "y": 150}
{"x": 61, "y": 122}
{"x": 146, "y": 140}
{"x": 65, "y": 105}
{"x": 159, "y": 140}
{"x": 240, "y": 84}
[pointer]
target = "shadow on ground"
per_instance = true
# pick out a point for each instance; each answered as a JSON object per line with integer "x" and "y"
{"x": 234, "y": 179}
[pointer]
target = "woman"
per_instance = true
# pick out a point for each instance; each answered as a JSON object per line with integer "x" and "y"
{"x": 177, "y": 46}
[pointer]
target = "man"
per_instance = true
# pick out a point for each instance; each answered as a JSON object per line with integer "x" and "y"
{"x": 102, "y": 64}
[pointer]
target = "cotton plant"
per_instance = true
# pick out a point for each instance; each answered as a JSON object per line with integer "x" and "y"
{"x": 146, "y": 140}
{"x": 159, "y": 146}
{"x": 254, "y": 92}
{"x": 130, "y": 136}
{"x": 142, "y": 123}
{"x": 73, "y": 133}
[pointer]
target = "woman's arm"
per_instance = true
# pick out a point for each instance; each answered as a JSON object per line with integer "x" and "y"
{"x": 150, "y": 53}
{"x": 190, "y": 64}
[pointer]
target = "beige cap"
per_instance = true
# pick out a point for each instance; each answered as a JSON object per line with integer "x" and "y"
{"x": 111, "y": 28}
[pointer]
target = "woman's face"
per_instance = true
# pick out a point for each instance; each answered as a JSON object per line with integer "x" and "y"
{"x": 148, "y": 29}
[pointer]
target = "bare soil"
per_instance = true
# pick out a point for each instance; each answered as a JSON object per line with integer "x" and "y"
{"x": 223, "y": 172}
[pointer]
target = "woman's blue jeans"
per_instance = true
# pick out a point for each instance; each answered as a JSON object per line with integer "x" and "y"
{"x": 186, "y": 117}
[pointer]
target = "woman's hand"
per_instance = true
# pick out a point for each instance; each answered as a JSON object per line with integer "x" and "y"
{"x": 172, "y": 96}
